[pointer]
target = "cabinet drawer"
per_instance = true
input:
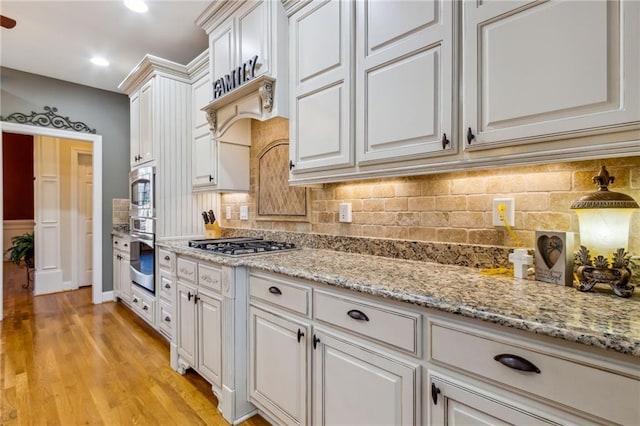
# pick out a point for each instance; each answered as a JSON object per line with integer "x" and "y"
{"x": 565, "y": 381}
{"x": 210, "y": 277}
{"x": 187, "y": 270}
{"x": 165, "y": 324}
{"x": 120, "y": 243}
{"x": 167, "y": 287}
{"x": 144, "y": 306}
{"x": 287, "y": 295}
{"x": 167, "y": 260}
{"x": 400, "y": 329}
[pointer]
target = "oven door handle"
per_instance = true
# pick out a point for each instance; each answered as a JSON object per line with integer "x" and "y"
{"x": 136, "y": 236}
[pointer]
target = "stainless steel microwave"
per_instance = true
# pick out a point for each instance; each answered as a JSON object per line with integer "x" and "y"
{"x": 142, "y": 192}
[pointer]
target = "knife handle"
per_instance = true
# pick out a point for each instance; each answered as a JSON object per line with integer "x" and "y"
{"x": 205, "y": 217}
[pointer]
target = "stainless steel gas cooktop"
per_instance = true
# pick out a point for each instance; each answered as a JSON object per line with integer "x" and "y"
{"x": 240, "y": 246}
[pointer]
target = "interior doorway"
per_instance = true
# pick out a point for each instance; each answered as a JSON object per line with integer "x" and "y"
{"x": 94, "y": 238}
{"x": 82, "y": 211}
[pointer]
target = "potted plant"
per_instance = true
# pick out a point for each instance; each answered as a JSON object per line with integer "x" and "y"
{"x": 22, "y": 248}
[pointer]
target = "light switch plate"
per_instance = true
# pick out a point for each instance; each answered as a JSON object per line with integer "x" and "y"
{"x": 345, "y": 213}
{"x": 244, "y": 212}
{"x": 227, "y": 212}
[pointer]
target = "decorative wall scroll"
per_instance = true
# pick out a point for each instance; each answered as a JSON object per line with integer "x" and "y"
{"x": 48, "y": 118}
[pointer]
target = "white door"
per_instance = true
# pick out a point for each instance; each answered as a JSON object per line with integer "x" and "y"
{"x": 125, "y": 276}
{"x": 85, "y": 219}
{"x": 134, "y": 129}
{"x": 210, "y": 338}
{"x": 278, "y": 352}
{"x": 404, "y": 79}
{"x": 146, "y": 122}
{"x": 48, "y": 274}
{"x": 321, "y": 113}
{"x": 457, "y": 405}
{"x": 357, "y": 385}
{"x": 186, "y": 318}
{"x": 203, "y": 162}
{"x": 548, "y": 68}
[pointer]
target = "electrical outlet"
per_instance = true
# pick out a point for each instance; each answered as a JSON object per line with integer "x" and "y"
{"x": 227, "y": 212}
{"x": 244, "y": 212}
{"x": 508, "y": 205}
{"x": 345, "y": 213}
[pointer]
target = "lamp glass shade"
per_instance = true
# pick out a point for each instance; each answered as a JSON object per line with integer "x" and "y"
{"x": 603, "y": 231}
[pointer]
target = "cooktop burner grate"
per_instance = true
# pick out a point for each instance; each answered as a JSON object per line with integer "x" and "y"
{"x": 240, "y": 246}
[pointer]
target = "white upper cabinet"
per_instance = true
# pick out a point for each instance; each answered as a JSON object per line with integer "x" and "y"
{"x": 372, "y": 86}
{"x": 394, "y": 88}
{"x": 321, "y": 122}
{"x": 536, "y": 70}
{"x": 248, "y": 51}
{"x": 404, "y": 79}
{"x": 141, "y": 126}
{"x": 203, "y": 153}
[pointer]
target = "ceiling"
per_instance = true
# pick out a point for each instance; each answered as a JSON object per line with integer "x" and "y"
{"x": 57, "y": 39}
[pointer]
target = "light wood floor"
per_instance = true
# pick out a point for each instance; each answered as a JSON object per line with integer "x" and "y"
{"x": 65, "y": 361}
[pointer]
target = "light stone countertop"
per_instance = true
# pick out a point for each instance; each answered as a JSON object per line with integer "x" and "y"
{"x": 599, "y": 319}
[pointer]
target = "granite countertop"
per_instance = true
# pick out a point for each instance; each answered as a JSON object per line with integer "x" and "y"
{"x": 120, "y": 230}
{"x": 599, "y": 319}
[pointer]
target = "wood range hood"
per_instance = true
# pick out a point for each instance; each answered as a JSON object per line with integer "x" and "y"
{"x": 254, "y": 99}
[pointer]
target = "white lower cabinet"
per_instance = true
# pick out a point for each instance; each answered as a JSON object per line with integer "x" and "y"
{"x": 553, "y": 384}
{"x": 121, "y": 280}
{"x": 209, "y": 326}
{"x": 293, "y": 356}
{"x": 186, "y": 334}
{"x": 278, "y": 365}
{"x": 199, "y": 338}
{"x": 360, "y": 385}
{"x": 457, "y": 403}
{"x": 165, "y": 291}
{"x": 210, "y": 331}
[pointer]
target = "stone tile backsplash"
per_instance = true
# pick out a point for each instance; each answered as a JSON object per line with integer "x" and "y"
{"x": 120, "y": 211}
{"x": 445, "y": 208}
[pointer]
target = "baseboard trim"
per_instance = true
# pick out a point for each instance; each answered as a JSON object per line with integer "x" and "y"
{"x": 108, "y": 296}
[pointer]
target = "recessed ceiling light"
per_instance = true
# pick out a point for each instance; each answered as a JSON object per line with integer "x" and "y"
{"x": 101, "y": 62}
{"x": 138, "y": 6}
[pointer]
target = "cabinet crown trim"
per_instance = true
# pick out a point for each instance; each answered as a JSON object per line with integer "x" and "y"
{"x": 149, "y": 65}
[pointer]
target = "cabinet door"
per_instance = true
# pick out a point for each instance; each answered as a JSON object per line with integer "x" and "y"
{"x": 146, "y": 122}
{"x": 357, "y": 385}
{"x": 134, "y": 128}
{"x": 186, "y": 320}
{"x": 203, "y": 161}
{"x": 253, "y": 31}
{"x": 404, "y": 79}
{"x": 457, "y": 404}
{"x": 537, "y": 69}
{"x": 221, "y": 51}
{"x": 209, "y": 338}
{"x": 116, "y": 274}
{"x": 278, "y": 365}
{"x": 125, "y": 278}
{"x": 321, "y": 113}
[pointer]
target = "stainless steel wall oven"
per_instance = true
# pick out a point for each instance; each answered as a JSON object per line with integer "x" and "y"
{"x": 142, "y": 260}
{"x": 141, "y": 192}
{"x": 142, "y": 227}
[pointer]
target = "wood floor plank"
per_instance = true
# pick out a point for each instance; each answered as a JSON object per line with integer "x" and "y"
{"x": 65, "y": 361}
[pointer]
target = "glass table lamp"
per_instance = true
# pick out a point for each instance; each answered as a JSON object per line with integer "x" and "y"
{"x": 604, "y": 217}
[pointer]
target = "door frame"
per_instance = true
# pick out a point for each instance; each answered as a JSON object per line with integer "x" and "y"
{"x": 75, "y": 234}
{"x": 97, "y": 287}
